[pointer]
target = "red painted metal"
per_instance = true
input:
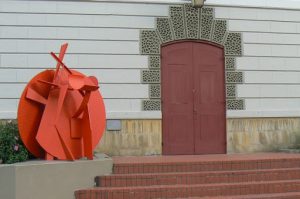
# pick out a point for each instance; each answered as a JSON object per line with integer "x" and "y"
{"x": 61, "y": 113}
{"x": 193, "y": 98}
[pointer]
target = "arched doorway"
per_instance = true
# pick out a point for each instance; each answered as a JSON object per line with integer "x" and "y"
{"x": 193, "y": 98}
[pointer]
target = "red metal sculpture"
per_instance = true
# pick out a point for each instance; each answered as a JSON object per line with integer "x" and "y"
{"x": 61, "y": 113}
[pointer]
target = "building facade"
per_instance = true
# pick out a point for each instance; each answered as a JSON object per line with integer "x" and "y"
{"x": 175, "y": 79}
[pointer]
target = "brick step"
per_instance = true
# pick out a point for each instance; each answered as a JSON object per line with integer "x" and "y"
{"x": 290, "y": 195}
{"x": 149, "y": 179}
{"x": 185, "y": 191}
{"x": 200, "y": 164}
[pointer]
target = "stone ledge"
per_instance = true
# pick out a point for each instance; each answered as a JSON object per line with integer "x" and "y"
{"x": 290, "y": 150}
{"x": 50, "y": 179}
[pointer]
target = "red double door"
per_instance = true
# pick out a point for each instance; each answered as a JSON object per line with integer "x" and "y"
{"x": 193, "y": 98}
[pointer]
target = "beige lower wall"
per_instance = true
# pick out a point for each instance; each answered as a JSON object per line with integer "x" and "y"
{"x": 137, "y": 137}
{"x": 262, "y": 134}
{"x": 143, "y": 137}
{"x": 51, "y": 179}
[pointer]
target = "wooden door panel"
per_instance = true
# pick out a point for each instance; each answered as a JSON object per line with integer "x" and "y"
{"x": 209, "y": 120}
{"x": 179, "y": 139}
{"x": 209, "y": 96}
{"x": 193, "y": 99}
{"x": 179, "y": 76}
{"x": 208, "y": 139}
{"x": 207, "y": 79}
{"x": 177, "y": 100}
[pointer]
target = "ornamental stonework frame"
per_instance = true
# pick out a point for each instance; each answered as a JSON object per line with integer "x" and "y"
{"x": 188, "y": 23}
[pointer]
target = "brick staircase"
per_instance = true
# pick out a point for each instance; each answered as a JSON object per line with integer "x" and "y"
{"x": 253, "y": 176}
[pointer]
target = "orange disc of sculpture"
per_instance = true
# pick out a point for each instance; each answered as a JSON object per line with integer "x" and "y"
{"x": 61, "y": 114}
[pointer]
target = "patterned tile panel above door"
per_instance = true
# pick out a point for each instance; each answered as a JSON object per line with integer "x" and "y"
{"x": 219, "y": 31}
{"x": 233, "y": 44}
{"x": 192, "y": 17}
{"x": 207, "y": 11}
{"x": 150, "y": 42}
{"x": 164, "y": 29}
{"x": 185, "y": 22}
{"x": 177, "y": 21}
{"x": 206, "y": 26}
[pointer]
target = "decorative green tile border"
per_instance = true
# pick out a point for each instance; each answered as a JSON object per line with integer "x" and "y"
{"x": 164, "y": 29}
{"x": 233, "y": 44}
{"x": 230, "y": 91}
{"x": 206, "y": 27}
{"x": 154, "y": 62}
{"x": 154, "y": 91}
{"x": 150, "y": 76}
{"x": 229, "y": 63}
{"x": 177, "y": 21}
{"x": 192, "y": 17}
{"x": 151, "y": 105}
{"x": 186, "y": 22}
{"x": 234, "y": 77}
{"x": 150, "y": 42}
{"x": 220, "y": 29}
{"x": 207, "y": 11}
{"x": 155, "y": 105}
{"x": 235, "y": 104}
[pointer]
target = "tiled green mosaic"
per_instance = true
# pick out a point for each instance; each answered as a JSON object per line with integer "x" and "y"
{"x": 219, "y": 31}
{"x": 192, "y": 17}
{"x": 151, "y": 105}
{"x": 206, "y": 26}
{"x": 234, "y": 77}
{"x": 164, "y": 29}
{"x": 207, "y": 11}
{"x": 230, "y": 63}
{"x": 233, "y": 44}
{"x": 177, "y": 21}
{"x": 150, "y": 76}
{"x": 154, "y": 62}
{"x": 154, "y": 91}
{"x": 230, "y": 91}
{"x": 235, "y": 104}
{"x": 150, "y": 42}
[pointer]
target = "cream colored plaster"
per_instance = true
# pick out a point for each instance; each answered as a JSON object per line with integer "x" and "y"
{"x": 144, "y": 137}
{"x": 50, "y": 179}
{"x": 137, "y": 137}
{"x": 262, "y": 134}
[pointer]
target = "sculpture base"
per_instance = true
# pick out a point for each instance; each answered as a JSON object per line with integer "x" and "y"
{"x": 51, "y": 179}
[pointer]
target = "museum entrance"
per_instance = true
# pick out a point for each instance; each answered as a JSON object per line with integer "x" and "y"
{"x": 193, "y": 98}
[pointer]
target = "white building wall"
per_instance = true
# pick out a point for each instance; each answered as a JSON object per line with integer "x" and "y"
{"x": 270, "y": 62}
{"x": 104, "y": 41}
